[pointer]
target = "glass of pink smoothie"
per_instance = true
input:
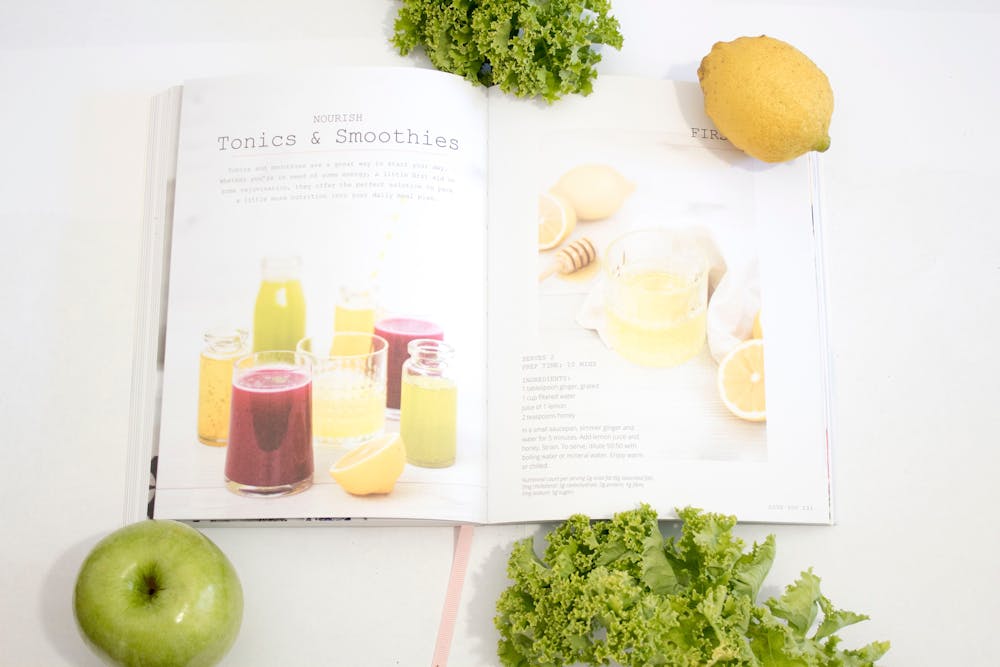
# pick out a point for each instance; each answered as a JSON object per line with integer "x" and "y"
{"x": 398, "y": 332}
{"x": 270, "y": 428}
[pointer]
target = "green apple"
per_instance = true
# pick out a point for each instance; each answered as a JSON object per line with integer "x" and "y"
{"x": 159, "y": 594}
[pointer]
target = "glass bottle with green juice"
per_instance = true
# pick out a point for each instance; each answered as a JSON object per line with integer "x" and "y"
{"x": 428, "y": 404}
{"x": 279, "y": 319}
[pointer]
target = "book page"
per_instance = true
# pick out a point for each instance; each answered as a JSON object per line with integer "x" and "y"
{"x": 347, "y": 202}
{"x": 633, "y": 252}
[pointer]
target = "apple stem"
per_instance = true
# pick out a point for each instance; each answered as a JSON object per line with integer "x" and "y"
{"x": 150, "y": 581}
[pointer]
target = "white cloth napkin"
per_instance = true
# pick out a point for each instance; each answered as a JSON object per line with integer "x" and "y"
{"x": 732, "y": 309}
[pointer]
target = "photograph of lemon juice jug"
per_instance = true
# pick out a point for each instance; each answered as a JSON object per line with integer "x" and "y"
{"x": 656, "y": 295}
{"x": 279, "y": 319}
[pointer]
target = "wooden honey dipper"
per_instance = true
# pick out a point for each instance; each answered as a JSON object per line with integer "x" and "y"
{"x": 571, "y": 258}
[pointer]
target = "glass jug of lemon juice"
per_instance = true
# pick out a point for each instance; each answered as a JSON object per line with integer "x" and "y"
{"x": 656, "y": 296}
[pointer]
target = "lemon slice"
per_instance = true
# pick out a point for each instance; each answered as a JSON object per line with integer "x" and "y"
{"x": 372, "y": 467}
{"x": 758, "y": 328}
{"x": 556, "y": 219}
{"x": 741, "y": 380}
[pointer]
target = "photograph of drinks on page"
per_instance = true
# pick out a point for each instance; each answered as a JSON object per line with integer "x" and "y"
{"x": 318, "y": 314}
{"x": 663, "y": 289}
{"x": 657, "y": 263}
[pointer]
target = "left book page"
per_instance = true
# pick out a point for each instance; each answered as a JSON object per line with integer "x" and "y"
{"x": 322, "y": 220}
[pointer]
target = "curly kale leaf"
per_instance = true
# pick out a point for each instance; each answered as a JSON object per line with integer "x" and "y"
{"x": 529, "y": 48}
{"x": 586, "y": 601}
{"x": 789, "y": 643}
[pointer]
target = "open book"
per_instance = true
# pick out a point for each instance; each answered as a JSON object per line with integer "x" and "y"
{"x": 578, "y": 273}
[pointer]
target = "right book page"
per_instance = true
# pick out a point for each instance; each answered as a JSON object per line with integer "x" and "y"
{"x": 639, "y": 268}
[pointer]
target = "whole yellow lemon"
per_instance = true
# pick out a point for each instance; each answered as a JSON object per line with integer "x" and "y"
{"x": 767, "y": 98}
{"x": 595, "y": 191}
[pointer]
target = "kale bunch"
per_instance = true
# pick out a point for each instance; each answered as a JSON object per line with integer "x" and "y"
{"x": 529, "y": 48}
{"x": 619, "y": 591}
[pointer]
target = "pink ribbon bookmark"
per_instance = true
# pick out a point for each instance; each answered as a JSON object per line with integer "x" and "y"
{"x": 446, "y": 629}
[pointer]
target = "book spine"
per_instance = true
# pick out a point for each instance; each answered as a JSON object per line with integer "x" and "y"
{"x": 147, "y": 346}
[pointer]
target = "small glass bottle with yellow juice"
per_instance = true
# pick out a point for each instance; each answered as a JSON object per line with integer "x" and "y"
{"x": 215, "y": 382}
{"x": 428, "y": 404}
{"x": 279, "y": 319}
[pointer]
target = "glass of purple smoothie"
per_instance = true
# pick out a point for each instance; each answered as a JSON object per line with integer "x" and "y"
{"x": 270, "y": 428}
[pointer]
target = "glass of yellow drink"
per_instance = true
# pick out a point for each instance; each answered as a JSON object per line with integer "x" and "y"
{"x": 354, "y": 311}
{"x": 348, "y": 395}
{"x": 655, "y": 298}
{"x": 215, "y": 382}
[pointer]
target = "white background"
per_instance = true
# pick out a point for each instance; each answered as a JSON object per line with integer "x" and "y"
{"x": 914, "y": 262}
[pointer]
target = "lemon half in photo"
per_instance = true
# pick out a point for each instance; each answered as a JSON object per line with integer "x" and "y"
{"x": 556, "y": 220}
{"x": 741, "y": 380}
{"x": 372, "y": 467}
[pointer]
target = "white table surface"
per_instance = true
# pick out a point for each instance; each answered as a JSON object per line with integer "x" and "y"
{"x": 909, "y": 190}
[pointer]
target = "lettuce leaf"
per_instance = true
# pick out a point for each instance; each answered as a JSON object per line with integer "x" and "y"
{"x": 528, "y": 48}
{"x": 618, "y": 591}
